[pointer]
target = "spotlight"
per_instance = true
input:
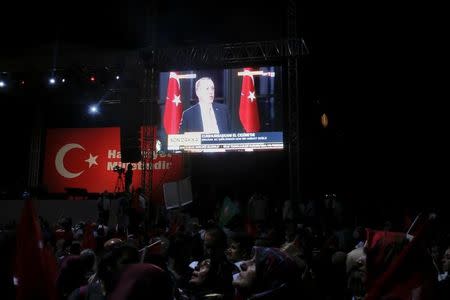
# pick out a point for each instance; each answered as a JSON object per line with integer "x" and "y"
{"x": 93, "y": 109}
{"x": 63, "y": 80}
{"x": 2, "y": 84}
{"x": 324, "y": 120}
{"x": 92, "y": 78}
{"x": 117, "y": 77}
{"x": 52, "y": 81}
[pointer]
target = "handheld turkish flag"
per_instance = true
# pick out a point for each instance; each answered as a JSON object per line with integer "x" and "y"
{"x": 174, "y": 107}
{"x": 398, "y": 268}
{"x": 248, "y": 108}
{"x": 35, "y": 268}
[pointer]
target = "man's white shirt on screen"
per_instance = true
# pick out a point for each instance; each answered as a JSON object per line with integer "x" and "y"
{"x": 208, "y": 118}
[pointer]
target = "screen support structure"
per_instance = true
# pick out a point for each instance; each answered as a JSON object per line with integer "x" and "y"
{"x": 294, "y": 112}
{"x": 287, "y": 52}
{"x": 148, "y": 144}
{"x": 35, "y": 148}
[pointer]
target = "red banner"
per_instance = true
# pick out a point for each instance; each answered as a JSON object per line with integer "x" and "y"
{"x": 86, "y": 158}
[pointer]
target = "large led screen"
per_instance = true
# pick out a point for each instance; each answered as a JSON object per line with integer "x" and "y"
{"x": 221, "y": 110}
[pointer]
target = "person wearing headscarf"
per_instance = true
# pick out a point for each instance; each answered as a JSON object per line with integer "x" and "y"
{"x": 211, "y": 279}
{"x": 269, "y": 274}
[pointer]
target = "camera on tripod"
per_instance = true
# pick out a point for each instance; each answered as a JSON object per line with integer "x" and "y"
{"x": 118, "y": 170}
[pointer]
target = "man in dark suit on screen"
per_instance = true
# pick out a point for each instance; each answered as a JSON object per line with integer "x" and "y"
{"x": 205, "y": 116}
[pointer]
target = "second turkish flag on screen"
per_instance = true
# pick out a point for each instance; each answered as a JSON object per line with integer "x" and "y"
{"x": 174, "y": 106}
{"x": 248, "y": 108}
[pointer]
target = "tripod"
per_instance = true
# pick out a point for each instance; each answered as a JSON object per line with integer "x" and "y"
{"x": 120, "y": 186}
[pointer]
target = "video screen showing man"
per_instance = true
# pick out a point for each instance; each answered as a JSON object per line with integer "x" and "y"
{"x": 206, "y": 116}
{"x": 221, "y": 110}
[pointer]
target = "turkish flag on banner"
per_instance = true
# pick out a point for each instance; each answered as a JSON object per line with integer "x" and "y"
{"x": 81, "y": 158}
{"x": 173, "y": 107}
{"x": 248, "y": 108}
{"x": 86, "y": 158}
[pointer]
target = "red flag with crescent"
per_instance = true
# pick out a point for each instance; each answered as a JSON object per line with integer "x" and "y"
{"x": 248, "y": 108}
{"x": 173, "y": 107}
{"x": 86, "y": 158}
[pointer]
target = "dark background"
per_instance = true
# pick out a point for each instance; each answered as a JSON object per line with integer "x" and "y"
{"x": 366, "y": 70}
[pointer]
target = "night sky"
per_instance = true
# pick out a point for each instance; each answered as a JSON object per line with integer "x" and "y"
{"x": 363, "y": 70}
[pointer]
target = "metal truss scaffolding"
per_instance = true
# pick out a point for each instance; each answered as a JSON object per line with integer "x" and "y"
{"x": 148, "y": 140}
{"x": 226, "y": 54}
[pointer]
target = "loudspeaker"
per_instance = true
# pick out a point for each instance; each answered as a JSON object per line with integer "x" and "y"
{"x": 130, "y": 144}
{"x": 131, "y": 114}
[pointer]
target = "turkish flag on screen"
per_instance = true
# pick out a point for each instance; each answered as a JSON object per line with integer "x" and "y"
{"x": 248, "y": 109}
{"x": 174, "y": 107}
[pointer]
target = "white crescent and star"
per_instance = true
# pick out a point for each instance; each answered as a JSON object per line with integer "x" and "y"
{"x": 251, "y": 96}
{"x": 92, "y": 160}
{"x": 176, "y": 100}
{"x": 59, "y": 160}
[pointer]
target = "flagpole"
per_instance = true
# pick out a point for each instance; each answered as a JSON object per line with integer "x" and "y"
{"x": 413, "y": 223}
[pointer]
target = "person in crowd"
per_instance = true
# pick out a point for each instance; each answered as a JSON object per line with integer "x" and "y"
{"x": 443, "y": 285}
{"x": 123, "y": 210}
{"x": 112, "y": 243}
{"x": 137, "y": 209}
{"x": 211, "y": 279}
{"x": 214, "y": 273}
{"x": 104, "y": 207}
{"x": 356, "y": 273}
{"x": 258, "y": 208}
{"x": 128, "y": 178}
{"x": 110, "y": 267}
{"x": 207, "y": 115}
{"x": 298, "y": 250}
{"x": 144, "y": 281}
{"x": 239, "y": 249}
{"x": 90, "y": 259}
{"x": 359, "y": 236}
{"x": 73, "y": 273}
{"x": 215, "y": 242}
{"x": 269, "y": 274}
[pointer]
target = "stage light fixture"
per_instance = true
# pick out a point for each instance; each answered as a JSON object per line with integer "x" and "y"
{"x": 93, "y": 109}
{"x": 63, "y": 80}
{"x": 52, "y": 81}
{"x": 324, "y": 120}
{"x": 117, "y": 77}
{"x": 92, "y": 78}
{"x": 2, "y": 84}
